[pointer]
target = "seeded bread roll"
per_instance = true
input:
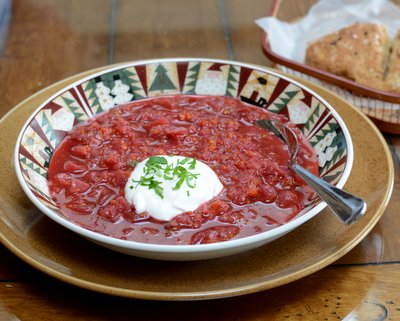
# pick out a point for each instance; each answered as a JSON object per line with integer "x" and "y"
{"x": 392, "y": 79}
{"x": 358, "y": 52}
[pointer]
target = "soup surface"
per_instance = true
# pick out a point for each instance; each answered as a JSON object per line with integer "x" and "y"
{"x": 91, "y": 166}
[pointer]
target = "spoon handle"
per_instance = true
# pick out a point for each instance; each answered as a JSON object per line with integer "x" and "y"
{"x": 347, "y": 207}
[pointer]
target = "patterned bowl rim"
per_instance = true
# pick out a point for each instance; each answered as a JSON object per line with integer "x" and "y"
{"x": 185, "y": 249}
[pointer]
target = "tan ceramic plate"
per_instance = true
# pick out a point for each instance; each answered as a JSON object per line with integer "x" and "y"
{"x": 64, "y": 255}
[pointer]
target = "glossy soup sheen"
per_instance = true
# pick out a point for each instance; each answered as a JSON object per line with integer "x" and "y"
{"x": 91, "y": 166}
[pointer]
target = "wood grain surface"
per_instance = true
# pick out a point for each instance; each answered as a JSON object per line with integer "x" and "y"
{"x": 327, "y": 295}
{"x": 171, "y": 28}
{"x": 49, "y": 40}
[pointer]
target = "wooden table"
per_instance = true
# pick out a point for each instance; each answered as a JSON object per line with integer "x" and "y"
{"x": 49, "y": 40}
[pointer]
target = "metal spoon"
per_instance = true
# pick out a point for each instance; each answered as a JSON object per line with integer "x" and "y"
{"x": 347, "y": 207}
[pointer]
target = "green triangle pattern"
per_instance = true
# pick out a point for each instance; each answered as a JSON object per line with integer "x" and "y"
{"x": 191, "y": 78}
{"x": 282, "y": 101}
{"x": 191, "y": 84}
{"x": 131, "y": 79}
{"x": 91, "y": 96}
{"x": 318, "y": 136}
{"x": 331, "y": 126}
{"x": 339, "y": 154}
{"x": 48, "y": 130}
{"x": 31, "y": 165}
{"x": 276, "y": 107}
{"x": 312, "y": 119}
{"x": 76, "y": 110}
{"x": 291, "y": 94}
{"x": 233, "y": 81}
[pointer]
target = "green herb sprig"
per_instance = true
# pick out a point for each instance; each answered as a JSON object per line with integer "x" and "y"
{"x": 158, "y": 167}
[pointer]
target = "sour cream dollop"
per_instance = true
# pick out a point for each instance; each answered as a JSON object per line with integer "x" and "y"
{"x": 153, "y": 186}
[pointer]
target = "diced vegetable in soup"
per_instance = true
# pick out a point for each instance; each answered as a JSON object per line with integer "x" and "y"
{"x": 200, "y": 159}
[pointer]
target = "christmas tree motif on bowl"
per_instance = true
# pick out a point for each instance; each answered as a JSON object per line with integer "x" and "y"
{"x": 162, "y": 79}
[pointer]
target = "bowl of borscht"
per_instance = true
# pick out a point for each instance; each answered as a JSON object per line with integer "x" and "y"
{"x": 161, "y": 158}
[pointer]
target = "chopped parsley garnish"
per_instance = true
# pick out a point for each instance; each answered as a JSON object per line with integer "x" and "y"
{"x": 158, "y": 167}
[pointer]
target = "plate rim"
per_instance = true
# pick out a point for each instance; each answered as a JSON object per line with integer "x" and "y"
{"x": 183, "y": 249}
{"x": 235, "y": 291}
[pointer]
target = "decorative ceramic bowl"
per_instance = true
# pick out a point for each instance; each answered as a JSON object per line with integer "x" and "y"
{"x": 51, "y": 121}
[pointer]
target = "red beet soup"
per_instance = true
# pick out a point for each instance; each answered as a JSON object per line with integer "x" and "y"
{"x": 91, "y": 166}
